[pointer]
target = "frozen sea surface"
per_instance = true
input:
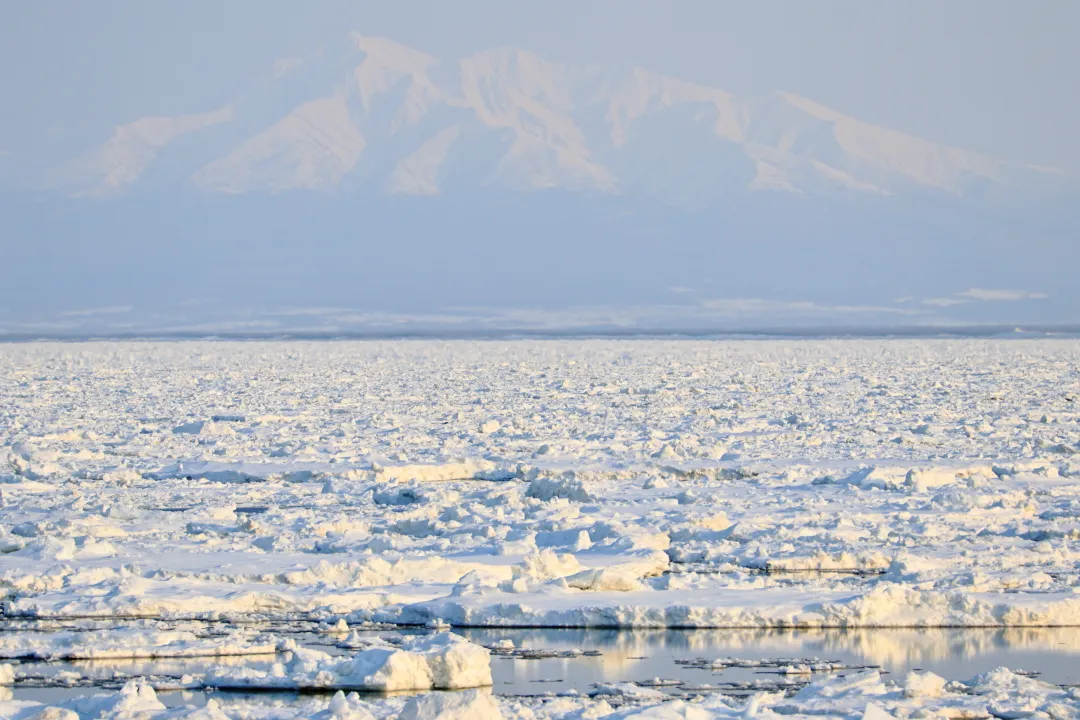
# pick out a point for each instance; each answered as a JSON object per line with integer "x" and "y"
{"x": 560, "y": 484}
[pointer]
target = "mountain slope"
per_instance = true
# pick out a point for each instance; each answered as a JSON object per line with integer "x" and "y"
{"x": 112, "y": 168}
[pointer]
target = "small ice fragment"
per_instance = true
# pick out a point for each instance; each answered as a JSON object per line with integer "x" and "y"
{"x": 472, "y": 704}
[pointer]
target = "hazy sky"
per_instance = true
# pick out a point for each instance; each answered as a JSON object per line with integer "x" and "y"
{"x": 995, "y": 76}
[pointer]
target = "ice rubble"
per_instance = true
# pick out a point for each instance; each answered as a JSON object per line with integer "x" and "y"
{"x": 444, "y": 661}
{"x": 644, "y": 483}
{"x": 134, "y": 700}
{"x": 999, "y": 693}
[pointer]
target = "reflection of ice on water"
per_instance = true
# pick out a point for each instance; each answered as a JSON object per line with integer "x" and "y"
{"x": 645, "y": 654}
{"x": 905, "y": 649}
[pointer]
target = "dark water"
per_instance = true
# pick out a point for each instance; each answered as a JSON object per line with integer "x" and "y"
{"x": 642, "y": 656}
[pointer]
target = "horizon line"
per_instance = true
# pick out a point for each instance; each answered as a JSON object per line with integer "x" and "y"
{"x": 1047, "y": 331}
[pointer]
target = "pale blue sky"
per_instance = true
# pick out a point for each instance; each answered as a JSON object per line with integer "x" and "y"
{"x": 995, "y": 76}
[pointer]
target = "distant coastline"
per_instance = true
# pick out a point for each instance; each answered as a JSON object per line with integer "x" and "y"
{"x": 989, "y": 332}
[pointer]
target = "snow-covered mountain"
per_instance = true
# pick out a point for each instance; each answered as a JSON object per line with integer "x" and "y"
{"x": 378, "y": 116}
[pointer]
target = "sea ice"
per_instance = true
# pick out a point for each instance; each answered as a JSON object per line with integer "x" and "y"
{"x": 444, "y": 661}
{"x": 999, "y": 693}
{"x": 133, "y": 643}
{"x": 628, "y": 483}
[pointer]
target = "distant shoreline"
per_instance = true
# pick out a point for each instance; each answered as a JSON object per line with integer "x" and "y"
{"x": 987, "y": 332}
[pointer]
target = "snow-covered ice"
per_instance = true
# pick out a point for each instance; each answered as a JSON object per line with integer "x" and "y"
{"x": 645, "y": 483}
{"x": 563, "y": 483}
{"x": 133, "y": 643}
{"x": 443, "y": 662}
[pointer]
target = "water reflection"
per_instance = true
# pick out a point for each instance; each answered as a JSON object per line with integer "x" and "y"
{"x": 643, "y": 655}
{"x": 883, "y": 646}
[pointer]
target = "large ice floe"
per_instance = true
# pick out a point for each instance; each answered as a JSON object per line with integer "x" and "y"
{"x": 649, "y": 484}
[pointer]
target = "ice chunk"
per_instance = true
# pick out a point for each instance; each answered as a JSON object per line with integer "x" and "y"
{"x": 444, "y": 661}
{"x": 341, "y": 707}
{"x": 622, "y": 577}
{"x": 545, "y": 565}
{"x": 566, "y": 486}
{"x": 923, "y": 684}
{"x": 876, "y": 712}
{"x": 136, "y": 699}
{"x": 922, "y": 480}
{"x": 62, "y": 549}
{"x": 467, "y": 705}
{"x": 882, "y": 478}
{"x": 628, "y": 690}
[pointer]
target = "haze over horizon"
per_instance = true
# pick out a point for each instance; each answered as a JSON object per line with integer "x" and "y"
{"x": 207, "y": 169}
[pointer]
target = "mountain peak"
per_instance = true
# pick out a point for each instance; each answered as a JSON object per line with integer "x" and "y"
{"x": 385, "y": 64}
{"x": 390, "y": 54}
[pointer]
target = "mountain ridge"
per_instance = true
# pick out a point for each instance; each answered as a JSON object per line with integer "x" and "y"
{"x": 383, "y": 117}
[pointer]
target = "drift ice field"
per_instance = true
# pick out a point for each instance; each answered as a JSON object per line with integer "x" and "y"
{"x": 358, "y": 517}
